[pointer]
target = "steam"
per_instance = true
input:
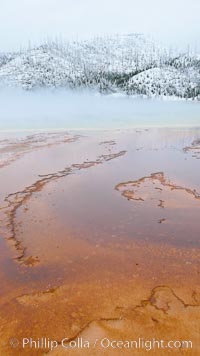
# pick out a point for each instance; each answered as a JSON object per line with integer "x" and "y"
{"x": 57, "y": 109}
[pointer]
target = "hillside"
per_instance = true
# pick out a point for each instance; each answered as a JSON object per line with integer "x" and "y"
{"x": 130, "y": 64}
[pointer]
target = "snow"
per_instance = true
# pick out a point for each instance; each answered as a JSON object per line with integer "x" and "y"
{"x": 122, "y": 64}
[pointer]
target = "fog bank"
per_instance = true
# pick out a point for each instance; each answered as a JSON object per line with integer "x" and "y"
{"x": 57, "y": 109}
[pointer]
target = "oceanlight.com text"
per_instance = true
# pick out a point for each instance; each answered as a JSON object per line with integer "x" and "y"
{"x": 104, "y": 343}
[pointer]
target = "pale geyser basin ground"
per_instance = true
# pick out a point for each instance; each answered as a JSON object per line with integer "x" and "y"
{"x": 100, "y": 237}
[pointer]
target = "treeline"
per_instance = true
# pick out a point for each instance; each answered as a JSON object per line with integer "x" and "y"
{"x": 130, "y": 64}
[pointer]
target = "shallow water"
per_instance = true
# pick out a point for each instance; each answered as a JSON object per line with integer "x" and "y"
{"x": 76, "y": 253}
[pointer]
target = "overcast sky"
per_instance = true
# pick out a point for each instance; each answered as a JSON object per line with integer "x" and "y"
{"x": 174, "y": 22}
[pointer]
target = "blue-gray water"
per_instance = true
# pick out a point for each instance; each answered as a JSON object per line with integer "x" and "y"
{"x": 83, "y": 110}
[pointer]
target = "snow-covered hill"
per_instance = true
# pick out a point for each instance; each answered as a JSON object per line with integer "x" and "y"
{"x": 130, "y": 64}
{"x": 166, "y": 81}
